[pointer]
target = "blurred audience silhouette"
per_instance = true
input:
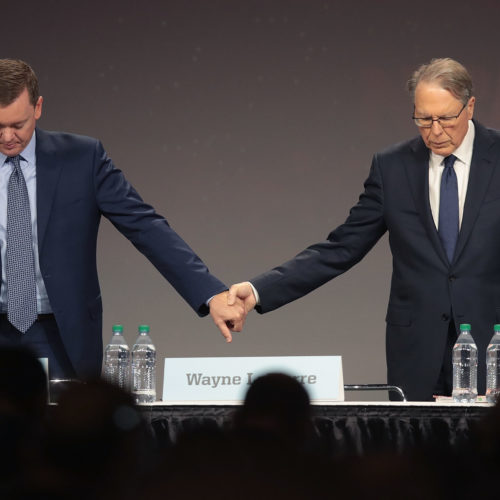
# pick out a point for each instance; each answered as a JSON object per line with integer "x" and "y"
{"x": 277, "y": 406}
{"x": 95, "y": 444}
{"x": 23, "y": 403}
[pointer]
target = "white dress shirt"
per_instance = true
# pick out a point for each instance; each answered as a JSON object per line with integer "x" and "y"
{"x": 28, "y": 167}
{"x": 462, "y": 168}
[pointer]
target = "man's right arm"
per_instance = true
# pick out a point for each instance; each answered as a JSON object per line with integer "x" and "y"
{"x": 344, "y": 247}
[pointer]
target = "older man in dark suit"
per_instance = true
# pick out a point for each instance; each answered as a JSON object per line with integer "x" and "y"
{"x": 438, "y": 196}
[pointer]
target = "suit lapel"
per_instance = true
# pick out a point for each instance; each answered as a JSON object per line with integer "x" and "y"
{"x": 48, "y": 169}
{"x": 481, "y": 170}
{"x": 417, "y": 169}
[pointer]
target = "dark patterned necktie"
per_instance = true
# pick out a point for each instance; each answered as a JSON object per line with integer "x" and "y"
{"x": 448, "y": 208}
{"x": 20, "y": 264}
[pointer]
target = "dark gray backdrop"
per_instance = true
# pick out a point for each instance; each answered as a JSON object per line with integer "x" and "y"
{"x": 250, "y": 125}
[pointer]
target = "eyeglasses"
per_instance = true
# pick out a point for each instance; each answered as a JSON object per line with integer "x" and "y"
{"x": 444, "y": 121}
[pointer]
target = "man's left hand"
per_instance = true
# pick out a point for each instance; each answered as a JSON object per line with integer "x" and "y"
{"x": 227, "y": 318}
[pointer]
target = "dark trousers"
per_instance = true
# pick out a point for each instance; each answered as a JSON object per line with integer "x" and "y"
{"x": 44, "y": 340}
{"x": 444, "y": 385}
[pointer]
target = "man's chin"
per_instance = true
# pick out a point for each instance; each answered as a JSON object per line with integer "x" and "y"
{"x": 442, "y": 149}
{"x": 10, "y": 150}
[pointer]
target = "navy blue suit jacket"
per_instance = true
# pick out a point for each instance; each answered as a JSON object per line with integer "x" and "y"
{"x": 426, "y": 290}
{"x": 76, "y": 184}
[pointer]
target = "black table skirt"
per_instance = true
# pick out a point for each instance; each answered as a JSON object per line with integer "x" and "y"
{"x": 344, "y": 429}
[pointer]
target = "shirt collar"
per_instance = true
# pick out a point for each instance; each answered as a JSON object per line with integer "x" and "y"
{"x": 28, "y": 153}
{"x": 463, "y": 152}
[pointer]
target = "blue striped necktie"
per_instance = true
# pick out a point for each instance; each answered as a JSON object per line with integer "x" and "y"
{"x": 20, "y": 263}
{"x": 448, "y": 208}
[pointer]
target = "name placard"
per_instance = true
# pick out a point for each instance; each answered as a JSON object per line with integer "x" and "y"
{"x": 226, "y": 380}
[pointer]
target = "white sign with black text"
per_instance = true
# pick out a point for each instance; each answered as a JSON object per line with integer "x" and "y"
{"x": 226, "y": 380}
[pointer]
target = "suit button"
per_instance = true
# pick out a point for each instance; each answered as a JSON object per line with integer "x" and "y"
{"x": 452, "y": 277}
{"x": 445, "y": 317}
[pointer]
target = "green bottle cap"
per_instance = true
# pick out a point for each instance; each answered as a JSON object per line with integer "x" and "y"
{"x": 118, "y": 328}
{"x": 496, "y": 328}
{"x": 143, "y": 328}
{"x": 465, "y": 326}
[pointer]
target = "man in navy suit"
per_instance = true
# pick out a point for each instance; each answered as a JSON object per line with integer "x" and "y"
{"x": 443, "y": 233}
{"x": 54, "y": 188}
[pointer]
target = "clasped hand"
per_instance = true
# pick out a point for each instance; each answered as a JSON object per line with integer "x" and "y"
{"x": 229, "y": 309}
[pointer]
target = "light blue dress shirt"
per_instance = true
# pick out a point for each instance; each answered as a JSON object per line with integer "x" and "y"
{"x": 28, "y": 167}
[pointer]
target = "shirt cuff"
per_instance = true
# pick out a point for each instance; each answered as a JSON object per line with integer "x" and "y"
{"x": 256, "y": 293}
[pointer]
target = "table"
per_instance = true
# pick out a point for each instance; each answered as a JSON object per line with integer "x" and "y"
{"x": 345, "y": 428}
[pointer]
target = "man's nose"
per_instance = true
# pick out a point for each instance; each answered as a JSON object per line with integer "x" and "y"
{"x": 436, "y": 128}
{"x": 7, "y": 134}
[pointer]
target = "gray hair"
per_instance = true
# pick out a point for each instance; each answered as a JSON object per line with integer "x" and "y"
{"x": 448, "y": 73}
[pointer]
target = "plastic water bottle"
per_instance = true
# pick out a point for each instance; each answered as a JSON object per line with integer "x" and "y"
{"x": 493, "y": 367}
{"x": 117, "y": 359}
{"x": 465, "y": 367}
{"x": 143, "y": 367}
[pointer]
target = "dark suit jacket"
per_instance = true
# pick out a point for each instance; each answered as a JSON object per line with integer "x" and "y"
{"x": 76, "y": 184}
{"x": 426, "y": 290}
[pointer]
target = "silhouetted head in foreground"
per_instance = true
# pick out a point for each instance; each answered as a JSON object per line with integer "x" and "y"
{"x": 23, "y": 383}
{"x": 97, "y": 425}
{"x": 276, "y": 404}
